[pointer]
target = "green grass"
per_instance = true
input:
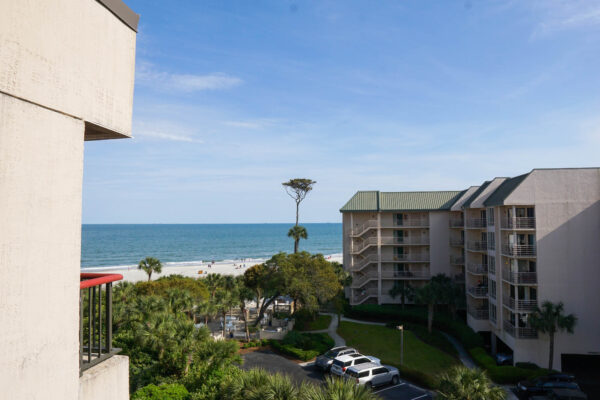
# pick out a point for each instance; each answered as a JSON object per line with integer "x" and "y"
{"x": 321, "y": 322}
{"x": 422, "y": 362}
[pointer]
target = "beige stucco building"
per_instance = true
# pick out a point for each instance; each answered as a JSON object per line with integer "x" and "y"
{"x": 66, "y": 76}
{"x": 514, "y": 242}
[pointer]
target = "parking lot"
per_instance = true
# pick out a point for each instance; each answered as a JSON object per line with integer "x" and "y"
{"x": 275, "y": 363}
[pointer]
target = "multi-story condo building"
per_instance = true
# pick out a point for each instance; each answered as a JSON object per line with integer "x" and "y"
{"x": 514, "y": 242}
{"x": 66, "y": 77}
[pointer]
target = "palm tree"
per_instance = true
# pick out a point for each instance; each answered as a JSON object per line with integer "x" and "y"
{"x": 335, "y": 389}
{"x": 462, "y": 383}
{"x": 150, "y": 265}
{"x": 213, "y": 282}
{"x": 404, "y": 289}
{"x": 551, "y": 319}
{"x": 157, "y": 333}
{"x": 243, "y": 294}
{"x": 297, "y": 232}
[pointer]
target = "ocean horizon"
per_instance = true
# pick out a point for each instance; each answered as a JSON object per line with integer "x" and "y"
{"x": 124, "y": 245}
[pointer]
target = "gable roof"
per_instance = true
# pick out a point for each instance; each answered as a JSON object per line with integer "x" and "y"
{"x": 481, "y": 188}
{"x": 401, "y": 201}
{"x": 506, "y": 188}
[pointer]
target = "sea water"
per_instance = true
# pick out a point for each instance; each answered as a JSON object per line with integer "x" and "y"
{"x": 180, "y": 244}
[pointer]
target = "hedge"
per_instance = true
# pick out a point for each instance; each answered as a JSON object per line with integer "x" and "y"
{"x": 472, "y": 341}
{"x": 173, "y": 391}
{"x": 303, "y": 346}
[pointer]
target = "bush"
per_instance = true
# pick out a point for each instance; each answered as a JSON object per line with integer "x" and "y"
{"x": 303, "y": 346}
{"x": 527, "y": 365}
{"x": 308, "y": 321}
{"x": 505, "y": 374}
{"x": 254, "y": 343}
{"x": 173, "y": 391}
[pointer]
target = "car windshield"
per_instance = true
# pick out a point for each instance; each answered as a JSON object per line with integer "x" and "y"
{"x": 338, "y": 363}
{"x": 352, "y": 373}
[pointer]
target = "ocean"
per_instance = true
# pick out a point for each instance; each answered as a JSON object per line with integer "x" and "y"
{"x": 180, "y": 244}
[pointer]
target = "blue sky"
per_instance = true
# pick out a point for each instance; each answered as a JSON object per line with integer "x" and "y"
{"x": 234, "y": 97}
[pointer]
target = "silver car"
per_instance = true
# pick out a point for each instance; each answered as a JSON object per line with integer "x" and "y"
{"x": 341, "y": 363}
{"x": 324, "y": 361}
{"x": 372, "y": 375}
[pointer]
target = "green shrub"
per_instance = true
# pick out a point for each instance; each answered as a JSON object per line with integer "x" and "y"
{"x": 527, "y": 365}
{"x": 504, "y": 374}
{"x": 303, "y": 346}
{"x": 173, "y": 391}
{"x": 309, "y": 321}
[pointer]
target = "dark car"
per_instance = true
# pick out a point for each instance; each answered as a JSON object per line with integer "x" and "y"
{"x": 324, "y": 361}
{"x": 544, "y": 384}
{"x": 562, "y": 394}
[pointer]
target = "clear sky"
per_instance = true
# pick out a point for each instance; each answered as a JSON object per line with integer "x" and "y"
{"x": 234, "y": 97}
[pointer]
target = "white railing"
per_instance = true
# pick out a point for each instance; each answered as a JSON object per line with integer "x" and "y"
{"x": 520, "y": 332}
{"x": 518, "y": 223}
{"x": 359, "y": 230}
{"x": 477, "y": 269}
{"x": 521, "y": 305}
{"x": 476, "y": 223}
{"x": 478, "y": 291}
{"x": 457, "y": 260}
{"x": 409, "y": 257}
{"x": 519, "y": 250}
{"x": 405, "y": 240}
{"x": 414, "y": 222}
{"x": 478, "y": 313}
{"x": 479, "y": 245}
{"x": 360, "y": 281}
{"x": 372, "y": 241}
{"x": 526, "y": 278}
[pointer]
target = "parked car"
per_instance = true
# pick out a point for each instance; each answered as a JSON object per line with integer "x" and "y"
{"x": 562, "y": 394}
{"x": 504, "y": 359}
{"x": 324, "y": 361}
{"x": 373, "y": 375}
{"x": 341, "y": 363}
{"x": 542, "y": 385}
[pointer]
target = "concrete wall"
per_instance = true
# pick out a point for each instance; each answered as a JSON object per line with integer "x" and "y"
{"x": 41, "y": 166}
{"x": 74, "y": 56}
{"x": 439, "y": 239}
{"x": 108, "y": 380}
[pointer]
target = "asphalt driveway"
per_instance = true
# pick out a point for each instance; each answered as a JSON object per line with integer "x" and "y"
{"x": 274, "y": 363}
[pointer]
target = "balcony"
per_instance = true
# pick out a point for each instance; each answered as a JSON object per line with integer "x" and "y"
{"x": 519, "y": 332}
{"x": 457, "y": 260}
{"x": 456, "y": 223}
{"x": 95, "y": 322}
{"x": 391, "y": 241}
{"x": 477, "y": 269}
{"x": 414, "y": 222}
{"x": 476, "y": 223}
{"x": 372, "y": 259}
{"x": 457, "y": 242}
{"x": 480, "y": 246}
{"x": 519, "y": 250}
{"x": 520, "y": 278}
{"x": 479, "y": 292}
{"x": 520, "y": 305}
{"x": 359, "y": 281}
{"x": 478, "y": 313}
{"x": 519, "y": 223}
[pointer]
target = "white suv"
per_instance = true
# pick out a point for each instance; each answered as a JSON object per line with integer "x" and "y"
{"x": 340, "y": 364}
{"x": 372, "y": 374}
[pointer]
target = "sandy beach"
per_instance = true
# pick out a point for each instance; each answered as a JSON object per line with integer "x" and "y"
{"x": 132, "y": 274}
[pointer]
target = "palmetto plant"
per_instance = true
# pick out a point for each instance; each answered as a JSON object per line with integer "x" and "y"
{"x": 297, "y": 232}
{"x": 337, "y": 389}
{"x": 150, "y": 265}
{"x": 551, "y": 319}
{"x": 462, "y": 383}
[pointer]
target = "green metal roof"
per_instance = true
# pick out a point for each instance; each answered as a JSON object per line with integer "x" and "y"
{"x": 402, "y": 201}
{"x": 467, "y": 203}
{"x": 501, "y": 193}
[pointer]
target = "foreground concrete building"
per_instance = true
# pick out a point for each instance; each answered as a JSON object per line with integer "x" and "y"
{"x": 516, "y": 242}
{"x": 66, "y": 76}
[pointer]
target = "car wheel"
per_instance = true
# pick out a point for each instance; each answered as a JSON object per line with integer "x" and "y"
{"x": 395, "y": 380}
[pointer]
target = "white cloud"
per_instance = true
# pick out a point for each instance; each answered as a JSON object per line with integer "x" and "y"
{"x": 162, "y": 130}
{"x": 251, "y": 124}
{"x": 147, "y": 75}
{"x": 560, "y": 15}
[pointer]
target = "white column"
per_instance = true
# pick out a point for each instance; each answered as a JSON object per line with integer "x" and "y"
{"x": 378, "y": 257}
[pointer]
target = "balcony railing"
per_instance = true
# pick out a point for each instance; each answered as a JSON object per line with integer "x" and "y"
{"x": 521, "y": 305}
{"x": 478, "y": 313}
{"x": 414, "y": 222}
{"x": 391, "y": 240}
{"x": 518, "y": 223}
{"x": 477, "y": 245}
{"x": 519, "y": 250}
{"x": 359, "y": 281}
{"x": 359, "y": 230}
{"x": 478, "y": 291}
{"x": 95, "y": 320}
{"x": 372, "y": 258}
{"x": 523, "y": 278}
{"x": 477, "y": 269}
{"x": 372, "y": 241}
{"x": 456, "y": 223}
{"x": 520, "y": 332}
{"x": 476, "y": 223}
{"x": 457, "y": 260}
{"x": 457, "y": 242}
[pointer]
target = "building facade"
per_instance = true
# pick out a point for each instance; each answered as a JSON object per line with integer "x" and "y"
{"x": 66, "y": 76}
{"x": 514, "y": 242}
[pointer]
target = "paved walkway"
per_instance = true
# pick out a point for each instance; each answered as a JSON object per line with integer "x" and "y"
{"x": 332, "y": 330}
{"x": 463, "y": 355}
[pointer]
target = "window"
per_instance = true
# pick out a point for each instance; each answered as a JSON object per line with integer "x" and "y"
{"x": 490, "y": 216}
{"x": 491, "y": 240}
{"x": 361, "y": 361}
{"x": 381, "y": 370}
{"x": 399, "y": 219}
{"x": 363, "y": 374}
{"x": 492, "y": 312}
{"x": 492, "y": 265}
{"x": 493, "y": 288}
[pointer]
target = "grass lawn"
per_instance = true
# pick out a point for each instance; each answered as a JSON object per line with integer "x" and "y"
{"x": 384, "y": 343}
{"x": 322, "y": 322}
